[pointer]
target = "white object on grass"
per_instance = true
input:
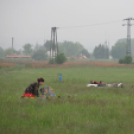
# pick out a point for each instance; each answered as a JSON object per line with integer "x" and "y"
{"x": 92, "y": 85}
{"x": 120, "y": 84}
{"x": 107, "y": 85}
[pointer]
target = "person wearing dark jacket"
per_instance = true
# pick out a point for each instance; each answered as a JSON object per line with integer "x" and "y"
{"x": 101, "y": 84}
{"x": 32, "y": 89}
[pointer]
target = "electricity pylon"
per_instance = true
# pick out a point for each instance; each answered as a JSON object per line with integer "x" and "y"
{"x": 53, "y": 45}
{"x": 128, "y": 50}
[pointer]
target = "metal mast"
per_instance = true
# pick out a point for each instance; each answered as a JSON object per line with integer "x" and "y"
{"x": 128, "y": 50}
{"x": 12, "y": 48}
{"x": 53, "y": 45}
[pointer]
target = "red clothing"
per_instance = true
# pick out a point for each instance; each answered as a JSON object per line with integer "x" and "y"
{"x": 101, "y": 82}
{"x": 96, "y": 82}
{"x": 28, "y": 95}
{"x": 31, "y": 90}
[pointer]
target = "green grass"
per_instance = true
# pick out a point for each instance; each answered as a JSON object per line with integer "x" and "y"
{"x": 90, "y": 110}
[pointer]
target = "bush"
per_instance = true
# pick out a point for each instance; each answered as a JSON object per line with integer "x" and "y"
{"x": 60, "y": 58}
{"x": 127, "y": 60}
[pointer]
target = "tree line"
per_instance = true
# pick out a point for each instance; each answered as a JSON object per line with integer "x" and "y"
{"x": 118, "y": 51}
{"x": 71, "y": 49}
{"x": 41, "y": 52}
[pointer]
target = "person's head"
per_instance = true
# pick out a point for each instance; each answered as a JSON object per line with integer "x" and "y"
{"x": 40, "y": 81}
{"x": 91, "y": 81}
{"x": 101, "y": 82}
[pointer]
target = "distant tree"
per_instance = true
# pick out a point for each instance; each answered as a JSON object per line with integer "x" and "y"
{"x": 27, "y": 49}
{"x": 70, "y": 49}
{"x": 40, "y": 54}
{"x": 8, "y": 51}
{"x": 1, "y": 52}
{"x": 101, "y": 52}
{"x": 37, "y": 47}
{"x": 60, "y": 58}
{"x": 85, "y": 52}
{"x": 119, "y": 50}
{"x": 47, "y": 45}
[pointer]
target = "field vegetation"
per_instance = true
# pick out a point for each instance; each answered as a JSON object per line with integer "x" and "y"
{"x": 89, "y": 110}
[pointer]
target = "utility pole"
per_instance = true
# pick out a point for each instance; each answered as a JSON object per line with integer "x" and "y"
{"x": 12, "y": 48}
{"x": 128, "y": 50}
{"x": 53, "y": 45}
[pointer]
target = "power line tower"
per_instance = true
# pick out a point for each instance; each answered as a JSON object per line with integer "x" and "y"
{"x": 128, "y": 50}
{"x": 53, "y": 45}
{"x": 12, "y": 48}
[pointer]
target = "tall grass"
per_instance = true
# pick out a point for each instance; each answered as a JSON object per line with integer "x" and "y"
{"x": 90, "y": 110}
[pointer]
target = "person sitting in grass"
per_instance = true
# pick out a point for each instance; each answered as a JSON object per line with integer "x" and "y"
{"x": 32, "y": 89}
{"x": 47, "y": 92}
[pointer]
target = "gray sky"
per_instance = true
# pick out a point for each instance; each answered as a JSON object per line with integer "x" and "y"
{"x": 30, "y": 21}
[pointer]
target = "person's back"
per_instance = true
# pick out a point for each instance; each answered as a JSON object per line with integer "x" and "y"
{"x": 32, "y": 89}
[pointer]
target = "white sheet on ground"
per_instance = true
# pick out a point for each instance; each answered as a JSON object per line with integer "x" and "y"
{"x": 92, "y": 85}
{"x": 108, "y": 85}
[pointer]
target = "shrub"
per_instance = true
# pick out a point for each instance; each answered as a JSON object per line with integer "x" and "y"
{"x": 127, "y": 60}
{"x": 60, "y": 58}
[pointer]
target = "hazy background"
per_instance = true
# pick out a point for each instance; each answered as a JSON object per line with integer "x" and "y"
{"x": 30, "y": 21}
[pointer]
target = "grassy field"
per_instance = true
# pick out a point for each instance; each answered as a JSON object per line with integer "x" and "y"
{"x": 90, "y": 110}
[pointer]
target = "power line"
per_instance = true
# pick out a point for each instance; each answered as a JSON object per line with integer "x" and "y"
{"x": 104, "y": 23}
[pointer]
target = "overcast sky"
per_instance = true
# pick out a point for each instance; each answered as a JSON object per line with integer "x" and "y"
{"x": 30, "y": 21}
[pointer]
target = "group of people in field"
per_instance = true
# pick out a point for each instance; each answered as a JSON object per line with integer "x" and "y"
{"x": 101, "y": 84}
{"x": 47, "y": 91}
{"x": 32, "y": 90}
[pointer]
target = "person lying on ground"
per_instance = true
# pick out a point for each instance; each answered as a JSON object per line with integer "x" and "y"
{"x": 93, "y": 82}
{"x": 106, "y": 85}
{"x": 101, "y": 84}
{"x": 32, "y": 89}
{"x": 47, "y": 92}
